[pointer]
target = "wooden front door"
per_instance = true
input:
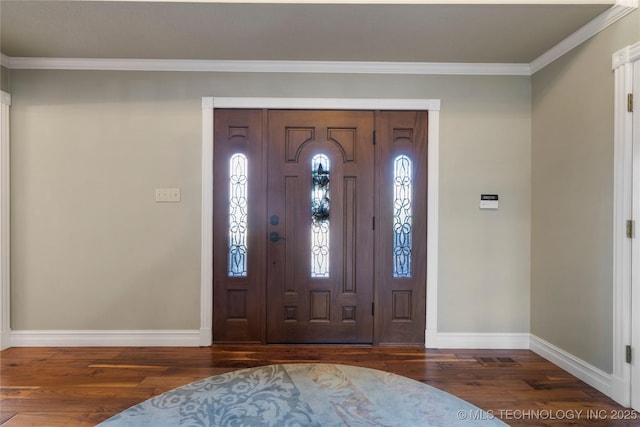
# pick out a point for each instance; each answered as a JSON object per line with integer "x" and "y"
{"x": 319, "y": 226}
{"x": 321, "y": 187}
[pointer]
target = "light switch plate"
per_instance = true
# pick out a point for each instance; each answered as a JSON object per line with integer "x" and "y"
{"x": 167, "y": 194}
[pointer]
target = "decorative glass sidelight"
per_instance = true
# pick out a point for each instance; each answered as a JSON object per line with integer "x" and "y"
{"x": 238, "y": 208}
{"x": 320, "y": 179}
{"x": 402, "y": 211}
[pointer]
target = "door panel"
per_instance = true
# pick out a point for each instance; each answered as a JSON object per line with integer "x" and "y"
{"x": 402, "y": 232}
{"x": 238, "y": 227}
{"x": 324, "y": 297}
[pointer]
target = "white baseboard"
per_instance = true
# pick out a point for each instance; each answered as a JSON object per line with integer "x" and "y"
{"x": 586, "y": 372}
{"x": 195, "y": 338}
{"x": 177, "y": 338}
{"x": 436, "y": 339}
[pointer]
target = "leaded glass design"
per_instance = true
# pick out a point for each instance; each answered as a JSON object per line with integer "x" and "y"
{"x": 238, "y": 208}
{"x": 402, "y": 201}
{"x": 320, "y": 180}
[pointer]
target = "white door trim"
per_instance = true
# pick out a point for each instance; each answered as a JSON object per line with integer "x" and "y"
{"x": 210, "y": 103}
{"x": 626, "y": 198}
{"x": 5, "y": 286}
{"x": 635, "y": 245}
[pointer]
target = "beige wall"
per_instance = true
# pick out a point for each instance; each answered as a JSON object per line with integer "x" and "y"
{"x": 91, "y": 249}
{"x": 572, "y": 197}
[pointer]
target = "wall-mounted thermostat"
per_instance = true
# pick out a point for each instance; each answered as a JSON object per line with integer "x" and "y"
{"x": 488, "y": 201}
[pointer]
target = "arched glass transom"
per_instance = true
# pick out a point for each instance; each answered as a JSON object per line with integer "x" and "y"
{"x": 238, "y": 208}
{"x": 320, "y": 180}
{"x": 402, "y": 212}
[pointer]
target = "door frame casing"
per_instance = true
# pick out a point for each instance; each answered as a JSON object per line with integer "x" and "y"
{"x": 211, "y": 103}
{"x": 5, "y": 224}
{"x": 626, "y": 206}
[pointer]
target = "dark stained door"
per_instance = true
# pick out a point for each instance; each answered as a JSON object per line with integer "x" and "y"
{"x": 239, "y": 242}
{"x": 401, "y": 240}
{"x": 320, "y": 226}
{"x": 320, "y": 207}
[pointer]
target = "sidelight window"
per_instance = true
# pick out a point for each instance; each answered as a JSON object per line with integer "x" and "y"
{"x": 238, "y": 208}
{"x": 320, "y": 179}
{"x": 402, "y": 212}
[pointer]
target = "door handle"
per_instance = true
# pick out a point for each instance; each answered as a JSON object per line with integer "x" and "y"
{"x": 274, "y": 236}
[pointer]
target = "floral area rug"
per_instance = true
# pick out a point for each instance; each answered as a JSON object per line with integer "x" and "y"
{"x": 304, "y": 394}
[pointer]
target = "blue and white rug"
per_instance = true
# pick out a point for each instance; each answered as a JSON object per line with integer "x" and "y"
{"x": 304, "y": 395}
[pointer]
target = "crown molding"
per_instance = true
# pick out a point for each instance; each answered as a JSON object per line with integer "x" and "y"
{"x": 320, "y": 67}
{"x": 621, "y": 9}
{"x": 462, "y": 2}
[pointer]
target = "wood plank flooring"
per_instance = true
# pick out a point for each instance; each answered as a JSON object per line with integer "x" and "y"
{"x": 84, "y": 386}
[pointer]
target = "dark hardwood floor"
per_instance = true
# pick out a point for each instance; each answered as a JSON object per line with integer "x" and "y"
{"x": 84, "y": 386}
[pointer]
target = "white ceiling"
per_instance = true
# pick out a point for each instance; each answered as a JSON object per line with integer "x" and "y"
{"x": 503, "y": 32}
